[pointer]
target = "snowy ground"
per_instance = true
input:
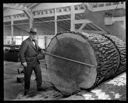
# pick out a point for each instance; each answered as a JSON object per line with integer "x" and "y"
{"x": 114, "y": 89}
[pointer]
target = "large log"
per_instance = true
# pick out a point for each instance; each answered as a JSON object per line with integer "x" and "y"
{"x": 94, "y": 49}
{"x": 121, "y": 47}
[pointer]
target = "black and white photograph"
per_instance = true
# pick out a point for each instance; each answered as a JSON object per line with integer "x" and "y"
{"x": 64, "y": 51}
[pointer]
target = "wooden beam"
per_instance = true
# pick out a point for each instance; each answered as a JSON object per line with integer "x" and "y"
{"x": 12, "y": 30}
{"x": 13, "y": 7}
{"x": 33, "y": 5}
{"x": 26, "y": 10}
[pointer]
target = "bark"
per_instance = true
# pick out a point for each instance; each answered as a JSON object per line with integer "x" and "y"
{"x": 106, "y": 52}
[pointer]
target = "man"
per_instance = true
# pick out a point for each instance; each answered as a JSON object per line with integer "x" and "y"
{"x": 30, "y": 53}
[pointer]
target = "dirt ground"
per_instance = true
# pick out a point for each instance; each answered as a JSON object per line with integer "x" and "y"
{"x": 114, "y": 89}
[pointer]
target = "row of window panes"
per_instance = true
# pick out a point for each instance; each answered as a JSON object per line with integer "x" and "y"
{"x": 15, "y": 16}
{"x": 21, "y": 21}
{"x": 41, "y": 12}
{"x": 39, "y": 19}
{"x": 19, "y": 15}
{"x": 7, "y": 17}
{"x": 105, "y": 4}
{"x": 50, "y": 11}
{"x": 79, "y": 7}
{"x": 80, "y": 16}
{"x": 7, "y": 23}
{"x": 64, "y": 17}
{"x": 63, "y": 9}
{"x": 35, "y": 13}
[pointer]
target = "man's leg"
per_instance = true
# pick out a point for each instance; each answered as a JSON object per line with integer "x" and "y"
{"x": 38, "y": 74}
{"x": 27, "y": 76}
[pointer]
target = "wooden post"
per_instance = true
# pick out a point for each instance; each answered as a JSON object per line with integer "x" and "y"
{"x": 45, "y": 39}
{"x": 30, "y": 19}
{"x": 55, "y": 22}
{"x": 12, "y": 29}
{"x": 72, "y": 18}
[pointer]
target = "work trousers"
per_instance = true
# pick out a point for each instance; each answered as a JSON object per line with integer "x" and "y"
{"x": 28, "y": 72}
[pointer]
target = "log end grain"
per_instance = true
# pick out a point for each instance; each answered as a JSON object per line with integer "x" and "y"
{"x": 68, "y": 76}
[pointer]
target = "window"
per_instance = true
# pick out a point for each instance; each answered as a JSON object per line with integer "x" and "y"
{"x": 51, "y": 11}
{"x": 34, "y": 13}
{"x": 94, "y": 5}
{"x": 7, "y": 23}
{"x": 63, "y": 17}
{"x": 42, "y": 12}
{"x": 76, "y": 7}
{"x": 80, "y": 16}
{"x": 44, "y": 19}
{"x": 122, "y": 2}
{"x": 108, "y": 4}
{"x": 115, "y": 3}
{"x": 65, "y": 9}
{"x": 46, "y": 11}
{"x": 21, "y": 21}
{"x": 77, "y": 26}
{"x": 82, "y": 7}
{"x": 59, "y": 10}
{"x": 63, "y": 26}
{"x": 91, "y": 26}
{"x": 101, "y": 5}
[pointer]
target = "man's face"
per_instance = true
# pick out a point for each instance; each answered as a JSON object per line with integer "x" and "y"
{"x": 33, "y": 36}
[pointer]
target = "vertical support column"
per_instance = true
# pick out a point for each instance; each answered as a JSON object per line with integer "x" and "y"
{"x": 29, "y": 14}
{"x": 124, "y": 4}
{"x": 55, "y": 21}
{"x": 30, "y": 23}
{"x": 5, "y": 40}
{"x": 45, "y": 39}
{"x": 124, "y": 22}
{"x": 72, "y": 18}
{"x": 30, "y": 19}
{"x": 12, "y": 29}
{"x": 89, "y": 6}
{"x": 21, "y": 36}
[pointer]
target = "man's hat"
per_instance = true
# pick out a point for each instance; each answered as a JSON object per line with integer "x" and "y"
{"x": 33, "y": 30}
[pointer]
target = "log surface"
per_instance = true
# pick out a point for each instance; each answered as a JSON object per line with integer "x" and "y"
{"x": 105, "y": 51}
{"x": 121, "y": 47}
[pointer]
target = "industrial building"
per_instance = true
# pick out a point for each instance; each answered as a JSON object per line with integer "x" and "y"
{"x": 52, "y": 20}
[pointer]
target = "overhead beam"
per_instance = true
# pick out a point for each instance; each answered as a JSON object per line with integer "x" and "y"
{"x": 87, "y": 6}
{"x": 13, "y": 7}
{"x": 33, "y": 5}
{"x": 26, "y": 10}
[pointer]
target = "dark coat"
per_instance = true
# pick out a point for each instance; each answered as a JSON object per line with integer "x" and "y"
{"x": 29, "y": 53}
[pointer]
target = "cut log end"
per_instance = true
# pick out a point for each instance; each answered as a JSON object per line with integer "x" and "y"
{"x": 69, "y": 74}
{"x": 66, "y": 75}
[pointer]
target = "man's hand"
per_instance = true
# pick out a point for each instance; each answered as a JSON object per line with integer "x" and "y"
{"x": 42, "y": 51}
{"x": 41, "y": 54}
{"x": 24, "y": 64}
